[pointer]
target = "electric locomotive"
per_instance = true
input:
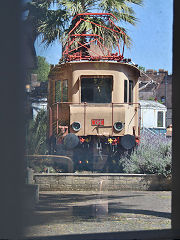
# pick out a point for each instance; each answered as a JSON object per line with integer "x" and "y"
{"x": 93, "y": 101}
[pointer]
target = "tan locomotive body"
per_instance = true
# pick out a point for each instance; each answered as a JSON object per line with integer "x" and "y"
{"x": 93, "y": 110}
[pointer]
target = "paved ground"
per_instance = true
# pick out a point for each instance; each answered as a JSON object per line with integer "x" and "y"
{"x": 60, "y": 213}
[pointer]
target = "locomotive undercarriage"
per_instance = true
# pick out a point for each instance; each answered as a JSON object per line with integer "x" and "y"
{"x": 95, "y": 153}
{"x": 101, "y": 154}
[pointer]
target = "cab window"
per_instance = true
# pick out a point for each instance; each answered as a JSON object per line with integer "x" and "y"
{"x": 96, "y": 89}
{"x": 130, "y": 91}
{"x": 125, "y": 91}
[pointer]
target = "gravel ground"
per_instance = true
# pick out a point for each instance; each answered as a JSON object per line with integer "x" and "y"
{"x": 61, "y": 213}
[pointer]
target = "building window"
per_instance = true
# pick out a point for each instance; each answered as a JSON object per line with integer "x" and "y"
{"x": 61, "y": 91}
{"x": 130, "y": 91}
{"x": 125, "y": 91}
{"x": 160, "y": 119}
{"x": 163, "y": 99}
{"x": 96, "y": 89}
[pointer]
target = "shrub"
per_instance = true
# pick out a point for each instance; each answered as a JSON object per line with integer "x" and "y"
{"x": 36, "y": 141}
{"x": 153, "y": 155}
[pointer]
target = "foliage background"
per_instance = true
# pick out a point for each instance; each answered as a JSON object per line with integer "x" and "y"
{"x": 42, "y": 70}
{"x": 152, "y": 156}
{"x": 36, "y": 137}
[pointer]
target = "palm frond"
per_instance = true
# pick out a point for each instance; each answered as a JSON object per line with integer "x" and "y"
{"x": 137, "y": 2}
{"x": 55, "y": 24}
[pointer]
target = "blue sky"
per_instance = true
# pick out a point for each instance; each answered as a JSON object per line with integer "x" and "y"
{"x": 152, "y": 37}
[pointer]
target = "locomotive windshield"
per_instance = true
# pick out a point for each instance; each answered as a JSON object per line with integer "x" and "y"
{"x": 96, "y": 89}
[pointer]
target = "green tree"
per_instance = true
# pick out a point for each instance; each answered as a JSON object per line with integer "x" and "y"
{"x": 142, "y": 68}
{"x": 42, "y": 70}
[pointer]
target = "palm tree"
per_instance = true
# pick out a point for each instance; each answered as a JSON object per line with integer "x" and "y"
{"x": 39, "y": 15}
{"x": 55, "y": 24}
{"x": 121, "y": 9}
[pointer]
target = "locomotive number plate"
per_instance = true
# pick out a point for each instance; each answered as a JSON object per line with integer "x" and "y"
{"x": 97, "y": 122}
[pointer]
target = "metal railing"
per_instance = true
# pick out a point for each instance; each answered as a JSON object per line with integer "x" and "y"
{"x": 57, "y": 121}
{"x": 50, "y": 159}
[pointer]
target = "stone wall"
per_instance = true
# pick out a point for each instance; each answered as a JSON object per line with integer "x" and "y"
{"x": 100, "y": 182}
{"x": 31, "y": 196}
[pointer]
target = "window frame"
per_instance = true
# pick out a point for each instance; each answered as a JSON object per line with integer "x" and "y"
{"x": 96, "y": 76}
{"x": 160, "y": 111}
{"x": 126, "y": 92}
{"x": 131, "y": 91}
{"x": 62, "y": 93}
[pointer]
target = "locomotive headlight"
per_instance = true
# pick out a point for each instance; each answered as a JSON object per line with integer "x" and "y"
{"x": 118, "y": 126}
{"x": 76, "y": 126}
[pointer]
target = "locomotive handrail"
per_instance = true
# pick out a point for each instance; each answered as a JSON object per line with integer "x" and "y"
{"x": 54, "y": 125}
{"x": 130, "y": 103}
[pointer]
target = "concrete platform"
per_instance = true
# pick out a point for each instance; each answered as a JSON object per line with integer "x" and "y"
{"x": 67, "y": 213}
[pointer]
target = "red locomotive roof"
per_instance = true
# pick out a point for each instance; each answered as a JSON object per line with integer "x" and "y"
{"x": 94, "y": 14}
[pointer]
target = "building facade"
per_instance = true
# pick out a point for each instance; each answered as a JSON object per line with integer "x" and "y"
{"x": 160, "y": 89}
